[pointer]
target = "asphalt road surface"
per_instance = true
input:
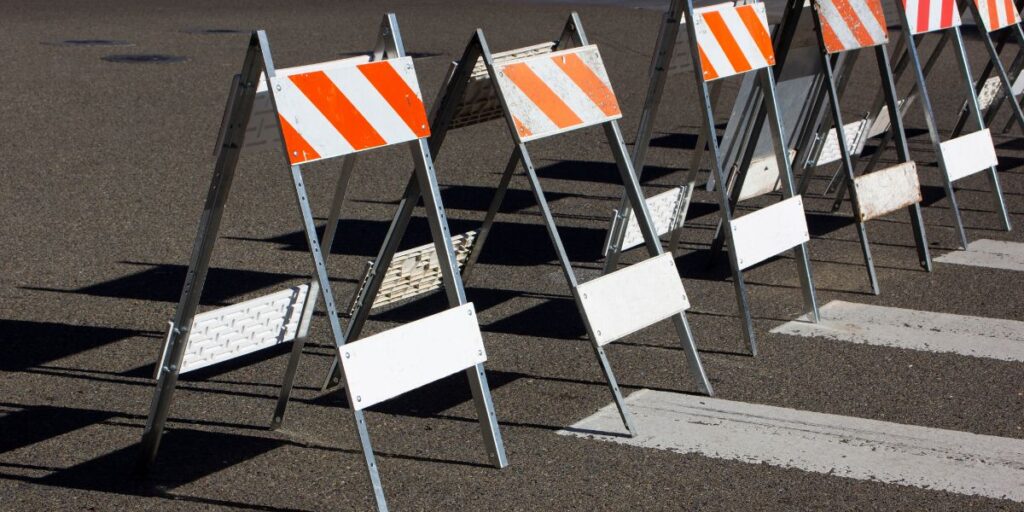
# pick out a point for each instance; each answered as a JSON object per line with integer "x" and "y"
{"x": 105, "y": 166}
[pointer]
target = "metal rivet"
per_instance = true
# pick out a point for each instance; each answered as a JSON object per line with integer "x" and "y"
{"x": 598, "y": 333}
{"x": 359, "y": 399}
{"x": 584, "y": 295}
{"x": 278, "y": 87}
{"x": 348, "y": 355}
{"x": 479, "y": 352}
{"x": 469, "y": 313}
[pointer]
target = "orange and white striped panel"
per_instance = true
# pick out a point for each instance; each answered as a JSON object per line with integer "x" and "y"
{"x": 931, "y": 15}
{"x": 851, "y": 24}
{"x": 557, "y": 92}
{"x": 343, "y": 107}
{"x": 996, "y": 14}
{"x": 733, "y": 40}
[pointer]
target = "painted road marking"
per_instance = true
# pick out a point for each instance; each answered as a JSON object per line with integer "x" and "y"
{"x": 916, "y": 330}
{"x": 988, "y": 253}
{"x": 857, "y": 448}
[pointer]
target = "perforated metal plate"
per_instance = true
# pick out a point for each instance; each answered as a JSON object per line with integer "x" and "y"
{"x": 760, "y": 235}
{"x": 763, "y": 176}
{"x": 234, "y": 331}
{"x": 402, "y": 359}
{"x": 663, "y": 208}
{"x": 887, "y": 190}
{"x": 989, "y": 92}
{"x": 415, "y": 271}
{"x": 830, "y": 149}
{"x": 479, "y": 102}
{"x": 881, "y": 123}
{"x": 968, "y": 154}
{"x": 632, "y": 298}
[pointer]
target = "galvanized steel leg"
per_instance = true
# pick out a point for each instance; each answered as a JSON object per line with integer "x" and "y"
{"x": 570, "y": 277}
{"x": 933, "y": 129}
{"x": 492, "y": 211}
{"x": 643, "y": 217}
{"x": 336, "y": 330}
{"x": 660, "y": 64}
{"x": 800, "y": 252}
{"x": 1001, "y": 71}
{"x": 992, "y": 174}
{"x": 847, "y": 165}
{"x": 438, "y": 221}
{"x": 202, "y": 250}
{"x": 364, "y": 302}
{"x": 330, "y": 229}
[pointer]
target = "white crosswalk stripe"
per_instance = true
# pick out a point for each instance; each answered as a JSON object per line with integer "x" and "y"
{"x": 988, "y": 253}
{"x": 844, "y": 446}
{"x": 916, "y": 330}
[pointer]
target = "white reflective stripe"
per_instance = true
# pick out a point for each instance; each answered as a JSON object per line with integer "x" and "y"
{"x": 567, "y": 90}
{"x": 771, "y": 230}
{"x": 523, "y": 109}
{"x": 838, "y": 24}
{"x": 712, "y": 49}
{"x": 410, "y": 356}
{"x": 989, "y": 254}
{"x": 369, "y": 102}
{"x": 307, "y": 119}
{"x": 968, "y": 154}
{"x": 841, "y": 446}
{"x": 632, "y": 298}
{"x": 869, "y": 21}
{"x": 741, "y": 34}
{"x": 926, "y": 331}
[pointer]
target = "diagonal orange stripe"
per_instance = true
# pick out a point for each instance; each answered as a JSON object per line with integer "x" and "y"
{"x": 705, "y": 65}
{"x": 521, "y": 129}
{"x": 403, "y": 100}
{"x": 541, "y": 95}
{"x": 584, "y": 77}
{"x": 993, "y": 15}
{"x": 299, "y": 149}
{"x": 876, "y": 9}
{"x": 853, "y": 22}
{"x": 338, "y": 110}
{"x": 732, "y": 50}
{"x": 757, "y": 31}
{"x": 832, "y": 42}
{"x": 1011, "y": 12}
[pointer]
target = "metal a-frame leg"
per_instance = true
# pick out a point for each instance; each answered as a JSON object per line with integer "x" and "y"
{"x": 902, "y": 150}
{"x": 800, "y": 252}
{"x": 336, "y": 331}
{"x": 933, "y": 129}
{"x": 570, "y": 277}
{"x": 847, "y": 165}
{"x": 660, "y": 64}
{"x": 1016, "y": 67}
{"x": 993, "y": 175}
{"x": 902, "y": 63}
{"x": 492, "y": 212}
{"x": 202, "y": 250}
{"x": 330, "y": 229}
{"x": 438, "y": 222}
{"x": 1004, "y": 78}
{"x": 643, "y": 216}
